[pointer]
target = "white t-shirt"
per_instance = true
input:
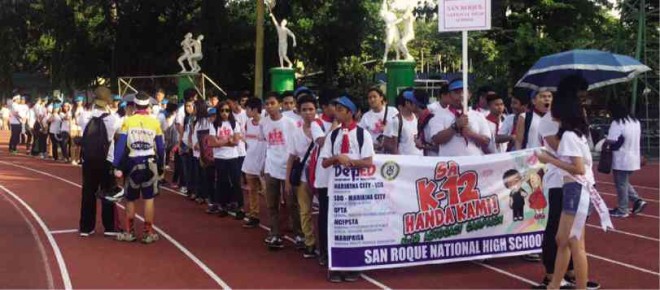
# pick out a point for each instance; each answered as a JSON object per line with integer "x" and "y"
{"x": 457, "y": 145}
{"x": 573, "y": 146}
{"x": 354, "y": 151}
{"x": 225, "y": 131}
{"x": 18, "y": 113}
{"x": 277, "y": 134}
{"x": 110, "y": 122}
{"x": 180, "y": 115}
{"x": 553, "y": 176}
{"x": 627, "y": 158}
{"x": 506, "y": 126}
{"x": 533, "y": 137}
{"x": 256, "y": 149}
{"x": 4, "y": 113}
{"x": 322, "y": 174}
{"x": 373, "y": 122}
{"x": 495, "y": 130}
{"x": 295, "y": 117}
{"x": 408, "y": 134}
{"x": 199, "y": 127}
{"x": 66, "y": 124}
{"x": 55, "y": 124}
{"x": 241, "y": 119}
{"x": 299, "y": 148}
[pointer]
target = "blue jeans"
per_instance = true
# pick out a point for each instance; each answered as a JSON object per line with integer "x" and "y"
{"x": 624, "y": 190}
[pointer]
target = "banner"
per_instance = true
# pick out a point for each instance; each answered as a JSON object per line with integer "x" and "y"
{"x": 409, "y": 210}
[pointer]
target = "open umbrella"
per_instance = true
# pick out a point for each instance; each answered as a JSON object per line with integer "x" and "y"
{"x": 599, "y": 68}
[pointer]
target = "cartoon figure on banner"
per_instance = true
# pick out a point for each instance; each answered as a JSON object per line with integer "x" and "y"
{"x": 513, "y": 181}
{"x": 537, "y": 200}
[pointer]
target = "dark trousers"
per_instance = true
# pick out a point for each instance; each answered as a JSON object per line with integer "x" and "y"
{"x": 64, "y": 144}
{"x": 36, "y": 144}
{"x": 207, "y": 183}
{"x": 96, "y": 177}
{"x": 15, "y": 136}
{"x": 228, "y": 182}
{"x": 30, "y": 138}
{"x": 323, "y": 220}
{"x": 43, "y": 142}
{"x": 54, "y": 144}
{"x": 193, "y": 175}
{"x": 549, "y": 245}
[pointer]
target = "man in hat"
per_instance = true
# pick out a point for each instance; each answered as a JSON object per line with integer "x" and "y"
{"x": 97, "y": 171}
{"x": 348, "y": 146}
{"x": 142, "y": 138}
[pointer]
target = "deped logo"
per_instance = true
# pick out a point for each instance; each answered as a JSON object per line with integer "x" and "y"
{"x": 355, "y": 172}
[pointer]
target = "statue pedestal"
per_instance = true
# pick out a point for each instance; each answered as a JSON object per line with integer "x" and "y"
{"x": 282, "y": 79}
{"x": 184, "y": 83}
{"x": 400, "y": 75}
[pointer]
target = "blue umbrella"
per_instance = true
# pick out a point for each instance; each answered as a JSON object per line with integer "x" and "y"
{"x": 599, "y": 68}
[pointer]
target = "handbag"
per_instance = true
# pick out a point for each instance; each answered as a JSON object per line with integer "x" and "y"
{"x": 298, "y": 167}
{"x": 605, "y": 163}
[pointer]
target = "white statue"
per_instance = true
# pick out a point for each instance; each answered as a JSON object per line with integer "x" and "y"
{"x": 392, "y": 37}
{"x": 196, "y": 55}
{"x": 408, "y": 33}
{"x": 283, "y": 34}
{"x": 186, "y": 45}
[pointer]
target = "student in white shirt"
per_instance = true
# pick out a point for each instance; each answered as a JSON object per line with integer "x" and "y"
{"x": 574, "y": 159}
{"x": 518, "y": 107}
{"x": 417, "y": 103}
{"x": 16, "y": 119}
{"x": 495, "y": 118}
{"x": 377, "y": 117}
{"x": 482, "y": 105}
{"x": 527, "y": 135}
{"x": 54, "y": 130}
{"x": 241, "y": 118}
{"x": 277, "y": 131}
{"x": 299, "y": 152}
{"x": 401, "y": 131}
{"x": 459, "y": 133}
{"x": 202, "y": 172}
{"x": 253, "y": 165}
{"x": 345, "y": 150}
{"x": 65, "y": 131}
{"x": 624, "y": 137}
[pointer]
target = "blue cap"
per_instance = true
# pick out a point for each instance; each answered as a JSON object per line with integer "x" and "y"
{"x": 457, "y": 85}
{"x": 23, "y": 97}
{"x": 346, "y": 102}
{"x": 165, "y": 101}
{"x": 213, "y": 111}
{"x": 116, "y": 97}
{"x": 79, "y": 98}
{"x": 57, "y": 105}
{"x": 122, "y": 104}
{"x": 301, "y": 90}
{"x": 410, "y": 96}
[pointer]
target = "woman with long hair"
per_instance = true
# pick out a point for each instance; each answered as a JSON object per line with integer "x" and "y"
{"x": 76, "y": 130}
{"x": 624, "y": 137}
{"x": 574, "y": 158}
{"x": 198, "y": 128}
{"x": 227, "y": 135}
{"x": 65, "y": 132}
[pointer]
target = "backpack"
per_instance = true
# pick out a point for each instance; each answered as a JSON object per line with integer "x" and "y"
{"x": 95, "y": 143}
{"x": 421, "y": 125}
{"x": 171, "y": 136}
{"x": 528, "y": 123}
{"x": 333, "y": 138}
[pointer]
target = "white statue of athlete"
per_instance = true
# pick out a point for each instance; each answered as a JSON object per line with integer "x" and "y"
{"x": 186, "y": 45}
{"x": 392, "y": 37}
{"x": 283, "y": 34}
{"x": 408, "y": 33}
{"x": 196, "y": 55}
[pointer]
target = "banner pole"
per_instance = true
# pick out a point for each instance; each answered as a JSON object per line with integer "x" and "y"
{"x": 465, "y": 70}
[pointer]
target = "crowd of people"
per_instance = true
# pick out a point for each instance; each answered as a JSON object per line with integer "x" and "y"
{"x": 281, "y": 148}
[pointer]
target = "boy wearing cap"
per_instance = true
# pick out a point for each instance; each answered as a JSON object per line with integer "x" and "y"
{"x": 401, "y": 132}
{"x": 416, "y": 101}
{"x": 276, "y": 129}
{"x": 459, "y": 133}
{"x": 345, "y": 150}
{"x": 142, "y": 137}
{"x": 97, "y": 175}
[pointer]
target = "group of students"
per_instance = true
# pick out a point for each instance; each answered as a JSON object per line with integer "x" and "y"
{"x": 284, "y": 146}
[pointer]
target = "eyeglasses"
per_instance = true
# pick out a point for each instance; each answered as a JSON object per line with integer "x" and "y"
{"x": 225, "y": 110}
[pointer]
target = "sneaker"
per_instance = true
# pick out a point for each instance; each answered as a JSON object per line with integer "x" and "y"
{"x": 334, "y": 277}
{"x": 591, "y": 285}
{"x": 251, "y": 223}
{"x": 275, "y": 243}
{"x": 299, "y": 243}
{"x": 213, "y": 209}
{"x": 310, "y": 252}
{"x": 112, "y": 233}
{"x": 618, "y": 213}
{"x": 639, "y": 206}
{"x": 87, "y": 234}
{"x": 351, "y": 276}
{"x": 531, "y": 257}
{"x": 183, "y": 190}
{"x": 199, "y": 200}
{"x": 240, "y": 215}
{"x": 323, "y": 260}
{"x": 149, "y": 238}
{"x": 126, "y": 237}
{"x": 562, "y": 285}
{"x": 268, "y": 239}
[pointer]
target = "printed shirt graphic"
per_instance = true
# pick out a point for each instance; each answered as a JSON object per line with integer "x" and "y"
{"x": 373, "y": 122}
{"x": 141, "y": 132}
{"x": 276, "y": 134}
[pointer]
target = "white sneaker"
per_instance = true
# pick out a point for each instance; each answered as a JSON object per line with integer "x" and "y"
{"x": 184, "y": 190}
{"x": 87, "y": 234}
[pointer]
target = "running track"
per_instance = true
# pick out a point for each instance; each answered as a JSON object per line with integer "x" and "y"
{"x": 39, "y": 212}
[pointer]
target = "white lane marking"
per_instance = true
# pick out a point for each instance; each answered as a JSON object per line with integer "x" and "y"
{"x": 507, "y": 273}
{"x": 56, "y": 249}
{"x": 183, "y": 249}
{"x": 614, "y": 194}
{"x": 640, "y": 186}
{"x": 624, "y": 264}
{"x": 626, "y": 233}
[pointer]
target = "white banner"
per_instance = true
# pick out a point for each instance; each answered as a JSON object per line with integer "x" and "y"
{"x": 407, "y": 210}
{"x": 464, "y": 15}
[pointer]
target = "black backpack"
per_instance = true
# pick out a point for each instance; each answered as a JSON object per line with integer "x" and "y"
{"x": 333, "y": 137}
{"x": 528, "y": 123}
{"x": 95, "y": 143}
